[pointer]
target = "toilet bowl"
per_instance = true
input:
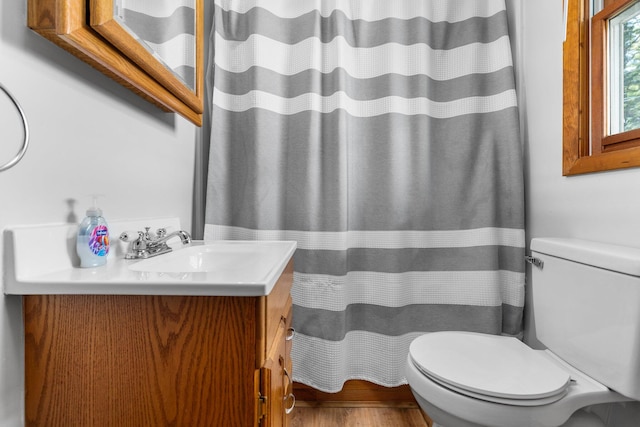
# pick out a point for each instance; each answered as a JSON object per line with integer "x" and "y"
{"x": 586, "y": 299}
{"x": 466, "y": 379}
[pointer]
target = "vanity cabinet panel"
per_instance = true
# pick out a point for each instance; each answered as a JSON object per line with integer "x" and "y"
{"x": 116, "y": 360}
{"x": 279, "y": 384}
{"x": 277, "y": 306}
{"x": 274, "y": 388}
{"x": 289, "y": 398}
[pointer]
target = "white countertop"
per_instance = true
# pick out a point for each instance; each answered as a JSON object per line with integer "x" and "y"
{"x": 242, "y": 269}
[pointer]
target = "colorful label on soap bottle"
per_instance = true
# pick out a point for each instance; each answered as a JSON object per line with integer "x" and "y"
{"x": 99, "y": 240}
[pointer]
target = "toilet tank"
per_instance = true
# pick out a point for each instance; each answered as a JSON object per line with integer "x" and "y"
{"x": 586, "y": 305}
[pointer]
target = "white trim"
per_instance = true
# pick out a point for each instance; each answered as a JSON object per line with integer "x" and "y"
{"x": 342, "y": 240}
{"x": 407, "y": 60}
{"x": 475, "y": 288}
{"x": 372, "y": 10}
{"x": 370, "y": 108}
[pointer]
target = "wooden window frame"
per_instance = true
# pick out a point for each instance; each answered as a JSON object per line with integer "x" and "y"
{"x": 586, "y": 148}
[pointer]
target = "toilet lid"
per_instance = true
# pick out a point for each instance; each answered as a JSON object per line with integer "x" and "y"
{"x": 490, "y": 367}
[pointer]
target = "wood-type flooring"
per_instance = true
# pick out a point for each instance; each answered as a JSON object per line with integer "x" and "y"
{"x": 309, "y": 415}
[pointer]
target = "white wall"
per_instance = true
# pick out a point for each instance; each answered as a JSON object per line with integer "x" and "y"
{"x": 601, "y": 206}
{"x": 88, "y": 135}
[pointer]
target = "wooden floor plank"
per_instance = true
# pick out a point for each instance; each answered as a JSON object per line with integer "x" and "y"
{"x": 358, "y": 404}
{"x": 322, "y": 416}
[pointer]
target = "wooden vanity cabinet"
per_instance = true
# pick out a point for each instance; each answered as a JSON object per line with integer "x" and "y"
{"x": 276, "y": 377}
{"x": 116, "y": 360}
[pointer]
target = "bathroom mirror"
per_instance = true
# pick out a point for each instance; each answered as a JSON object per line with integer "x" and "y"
{"x": 67, "y": 23}
{"x": 160, "y": 37}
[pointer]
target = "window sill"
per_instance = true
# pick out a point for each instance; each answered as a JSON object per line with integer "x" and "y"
{"x": 620, "y": 159}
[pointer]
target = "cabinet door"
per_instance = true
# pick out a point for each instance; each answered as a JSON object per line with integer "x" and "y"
{"x": 287, "y": 365}
{"x": 273, "y": 383}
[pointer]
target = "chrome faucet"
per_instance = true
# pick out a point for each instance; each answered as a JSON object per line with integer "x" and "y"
{"x": 144, "y": 245}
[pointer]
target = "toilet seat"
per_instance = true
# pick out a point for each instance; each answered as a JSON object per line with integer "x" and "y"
{"x": 489, "y": 367}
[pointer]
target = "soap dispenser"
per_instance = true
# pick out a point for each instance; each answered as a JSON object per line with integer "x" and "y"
{"x": 92, "y": 243}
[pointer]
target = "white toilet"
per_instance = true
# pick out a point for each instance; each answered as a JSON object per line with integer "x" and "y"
{"x": 586, "y": 305}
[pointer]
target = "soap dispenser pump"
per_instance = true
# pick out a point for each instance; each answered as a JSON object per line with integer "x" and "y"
{"x": 92, "y": 243}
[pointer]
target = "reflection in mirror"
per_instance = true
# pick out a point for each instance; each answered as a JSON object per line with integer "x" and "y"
{"x": 163, "y": 37}
{"x": 166, "y": 28}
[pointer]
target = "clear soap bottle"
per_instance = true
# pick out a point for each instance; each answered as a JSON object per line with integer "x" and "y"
{"x": 92, "y": 243}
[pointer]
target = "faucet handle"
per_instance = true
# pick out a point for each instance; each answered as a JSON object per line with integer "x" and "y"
{"x": 130, "y": 236}
{"x": 161, "y": 232}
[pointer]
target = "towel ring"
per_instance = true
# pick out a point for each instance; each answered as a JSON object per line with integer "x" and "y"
{"x": 25, "y": 126}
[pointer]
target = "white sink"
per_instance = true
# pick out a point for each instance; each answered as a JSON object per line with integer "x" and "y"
{"x": 224, "y": 268}
{"x": 224, "y": 261}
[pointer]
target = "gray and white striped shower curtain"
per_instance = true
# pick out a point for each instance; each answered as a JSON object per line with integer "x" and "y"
{"x": 382, "y": 136}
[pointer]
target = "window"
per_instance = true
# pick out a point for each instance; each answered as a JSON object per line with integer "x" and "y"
{"x": 601, "y": 86}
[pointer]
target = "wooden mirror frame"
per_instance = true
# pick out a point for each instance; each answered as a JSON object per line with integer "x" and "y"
{"x": 64, "y": 22}
{"x": 103, "y": 21}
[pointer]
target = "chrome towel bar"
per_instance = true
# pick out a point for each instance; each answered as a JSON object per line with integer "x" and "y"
{"x": 25, "y": 126}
